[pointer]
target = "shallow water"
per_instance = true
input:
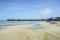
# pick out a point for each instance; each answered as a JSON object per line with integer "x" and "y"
{"x": 6, "y": 24}
{"x": 48, "y": 32}
{"x": 36, "y": 26}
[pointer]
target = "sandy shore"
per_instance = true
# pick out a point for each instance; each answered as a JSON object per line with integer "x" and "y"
{"x": 50, "y": 32}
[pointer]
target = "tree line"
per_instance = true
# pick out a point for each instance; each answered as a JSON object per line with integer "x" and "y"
{"x": 49, "y": 19}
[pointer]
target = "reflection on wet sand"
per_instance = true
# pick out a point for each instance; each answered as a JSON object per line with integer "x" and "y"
{"x": 48, "y": 32}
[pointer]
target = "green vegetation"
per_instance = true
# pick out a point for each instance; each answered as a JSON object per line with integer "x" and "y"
{"x": 49, "y": 19}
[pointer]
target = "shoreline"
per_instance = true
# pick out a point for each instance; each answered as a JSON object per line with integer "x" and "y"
{"x": 20, "y": 33}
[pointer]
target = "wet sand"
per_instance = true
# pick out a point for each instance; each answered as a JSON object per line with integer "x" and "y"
{"x": 50, "y": 32}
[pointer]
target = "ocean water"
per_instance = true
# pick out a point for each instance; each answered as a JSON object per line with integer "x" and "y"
{"x": 5, "y": 24}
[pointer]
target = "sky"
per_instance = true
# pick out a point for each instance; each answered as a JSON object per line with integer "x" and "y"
{"x": 29, "y": 9}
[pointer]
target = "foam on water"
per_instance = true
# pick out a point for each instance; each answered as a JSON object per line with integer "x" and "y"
{"x": 6, "y": 24}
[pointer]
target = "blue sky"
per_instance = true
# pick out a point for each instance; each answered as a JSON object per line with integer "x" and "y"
{"x": 29, "y": 9}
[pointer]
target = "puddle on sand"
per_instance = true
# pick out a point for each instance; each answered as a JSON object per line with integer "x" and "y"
{"x": 36, "y": 26}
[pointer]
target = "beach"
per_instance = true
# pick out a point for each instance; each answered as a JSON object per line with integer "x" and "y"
{"x": 47, "y": 31}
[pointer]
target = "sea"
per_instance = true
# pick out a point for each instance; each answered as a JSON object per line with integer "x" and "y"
{"x": 5, "y": 24}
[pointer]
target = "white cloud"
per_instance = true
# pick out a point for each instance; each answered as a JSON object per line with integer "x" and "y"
{"x": 46, "y": 11}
